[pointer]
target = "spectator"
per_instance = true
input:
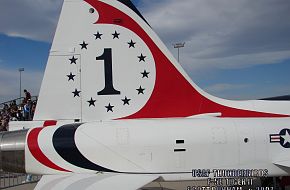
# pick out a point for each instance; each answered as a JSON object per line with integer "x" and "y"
{"x": 27, "y": 96}
{"x": 26, "y": 110}
{"x": 20, "y": 114}
{"x": 33, "y": 108}
{"x": 14, "y": 112}
{"x": 5, "y": 107}
{"x": 1, "y": 122}
{"x": 4, "y": 123}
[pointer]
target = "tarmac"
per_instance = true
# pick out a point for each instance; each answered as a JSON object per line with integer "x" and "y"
{"x": 18, "y": 182}
{"x": 182, "y": 185}
{"x": 29, "y": 186}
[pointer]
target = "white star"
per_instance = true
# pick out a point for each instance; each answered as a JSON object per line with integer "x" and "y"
{"x": 286, "y": 138}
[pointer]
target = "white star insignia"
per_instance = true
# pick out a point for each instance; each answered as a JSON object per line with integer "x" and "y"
{"x": 286, "y": 138}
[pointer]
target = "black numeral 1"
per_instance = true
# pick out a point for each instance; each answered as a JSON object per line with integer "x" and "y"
{"x": 109, "y": 87}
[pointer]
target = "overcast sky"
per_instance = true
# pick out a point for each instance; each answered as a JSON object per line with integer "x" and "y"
{"x": 236, "y": 49}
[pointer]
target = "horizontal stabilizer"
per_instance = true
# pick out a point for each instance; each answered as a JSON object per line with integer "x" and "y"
{"x": 284, "y": 163}
{"x": 283, "y": 160}
{"x": 108, "y": 181}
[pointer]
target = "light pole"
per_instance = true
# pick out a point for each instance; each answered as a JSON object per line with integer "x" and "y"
{"x": 178, "y": 46}
{"x": 20, "y": 70}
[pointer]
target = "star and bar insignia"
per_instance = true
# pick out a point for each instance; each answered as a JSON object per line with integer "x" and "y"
{"x": 283, "y": 138}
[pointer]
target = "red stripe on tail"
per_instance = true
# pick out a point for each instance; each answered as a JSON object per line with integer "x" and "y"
{"x": 32, "y": 142}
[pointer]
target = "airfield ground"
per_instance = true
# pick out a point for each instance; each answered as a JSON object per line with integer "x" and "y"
{"x": 153, "y": 186}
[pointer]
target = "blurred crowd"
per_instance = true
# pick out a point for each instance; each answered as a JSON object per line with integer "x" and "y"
{"x": 24, "y": 111}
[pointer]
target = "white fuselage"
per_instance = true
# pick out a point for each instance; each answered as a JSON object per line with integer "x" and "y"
{"x": 171, "y": 147}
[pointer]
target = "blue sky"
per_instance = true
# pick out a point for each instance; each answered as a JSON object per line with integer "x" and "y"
{"x": 234, "y": 49}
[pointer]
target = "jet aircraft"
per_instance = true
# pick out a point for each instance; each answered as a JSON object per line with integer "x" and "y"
{"x": 117, "y": 111}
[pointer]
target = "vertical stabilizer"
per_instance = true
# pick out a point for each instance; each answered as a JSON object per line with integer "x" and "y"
{"x": 106, "y": 62}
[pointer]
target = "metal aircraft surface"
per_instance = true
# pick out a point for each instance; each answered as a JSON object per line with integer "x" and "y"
{"x": 117, "y": 111}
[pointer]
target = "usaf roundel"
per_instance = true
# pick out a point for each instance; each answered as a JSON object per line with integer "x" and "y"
{"x": 283, "y": 138}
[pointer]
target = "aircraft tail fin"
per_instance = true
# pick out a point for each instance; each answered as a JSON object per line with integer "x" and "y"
{"x": 106, "y": 63}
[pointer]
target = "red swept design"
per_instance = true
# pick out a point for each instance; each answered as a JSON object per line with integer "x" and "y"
{"x": 32, "y": 142}
{"x": 173, "y": 95}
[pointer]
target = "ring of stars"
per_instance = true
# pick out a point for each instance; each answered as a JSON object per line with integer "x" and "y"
{"x": 126, "y": 101}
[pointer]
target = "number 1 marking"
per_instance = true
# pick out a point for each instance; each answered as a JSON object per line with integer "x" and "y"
{"x": 109, "y": 87}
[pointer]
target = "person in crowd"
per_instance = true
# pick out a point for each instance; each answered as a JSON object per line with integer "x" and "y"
{"x": 20, "y": 114}
{"x": 33, "y": 108}
{"x": 27, "y": 96}
{"x": 13, "y": 112}
{"x": 1, "y": 124}
{"x": 4, "y": 123}
{"x": 26, "y": 110}
{"x": 5, "y": 107}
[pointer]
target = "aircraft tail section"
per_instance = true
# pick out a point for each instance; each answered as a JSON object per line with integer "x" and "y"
{"x": 106, "y": 63}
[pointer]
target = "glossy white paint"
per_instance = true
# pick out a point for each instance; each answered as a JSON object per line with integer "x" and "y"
{"x": 78, "y": 25}
{"x": 94, "y": 181}
{"x": 75, "y": 26}
{"x": 147, "y": 146}
{"x": 138, "y": 146}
